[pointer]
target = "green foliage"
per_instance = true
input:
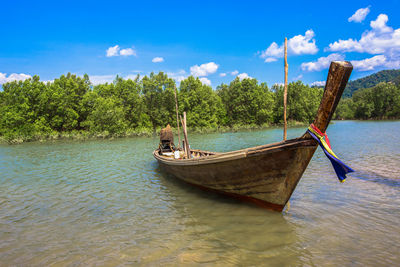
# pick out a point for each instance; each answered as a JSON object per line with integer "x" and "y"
{"x": 379, "y": 102}
{"x": 302, "y": 102}
{"x": 345, "y": 109}
{"x": 246, "y": 102}
{"x": 107, "y": 115}
{"x": 371, "y": 81}
{"x": 203, "y": 106}
{"x": 159, "y": 99}
{"x": 72, "y": 106}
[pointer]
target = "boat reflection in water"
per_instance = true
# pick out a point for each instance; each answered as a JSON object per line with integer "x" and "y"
{"x": 207, "y": 235}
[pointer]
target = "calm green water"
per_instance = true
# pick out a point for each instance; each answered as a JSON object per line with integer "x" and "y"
{"x": 106, "y": 203}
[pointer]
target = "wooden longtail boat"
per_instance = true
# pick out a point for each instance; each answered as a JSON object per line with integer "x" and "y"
{"x": 265, "y": 175}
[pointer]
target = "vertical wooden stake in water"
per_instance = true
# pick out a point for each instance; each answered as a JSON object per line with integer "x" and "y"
{"x": 285, "y": 94}
{"x": 187, "y": 148}
{"x": 177, "y": 119}
{"x": 183, "y": 129}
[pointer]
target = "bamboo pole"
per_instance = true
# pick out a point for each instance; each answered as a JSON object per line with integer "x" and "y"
{"x": 186, "y": 137}
{"x": 186, "y": 147}
{"x": 285, "y": 94}
{"x": 177, "y": 119}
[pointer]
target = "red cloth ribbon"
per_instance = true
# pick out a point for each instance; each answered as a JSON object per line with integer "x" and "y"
{"x": 321, "y": 134}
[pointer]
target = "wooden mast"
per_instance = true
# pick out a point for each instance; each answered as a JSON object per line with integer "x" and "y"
{"x": 177, "y": 119}
{"x": 285, "y": 94}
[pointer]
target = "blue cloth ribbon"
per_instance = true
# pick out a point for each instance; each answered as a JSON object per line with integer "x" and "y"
{"x": 340, "y": 168}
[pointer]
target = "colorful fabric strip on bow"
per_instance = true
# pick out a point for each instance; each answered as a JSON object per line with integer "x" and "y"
{"x": 341, "y": 169}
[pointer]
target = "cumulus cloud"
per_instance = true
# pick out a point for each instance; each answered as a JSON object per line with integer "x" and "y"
{"x": 204, "y": 69}
{"x": 235, "y": 72}
{"x": 112, "y": 51}
{"x": 157, "y": 60}
{"x": 379, "y": 40}
{"x": 360, "y": 15}
{"x": 318, "y": 83}
{"x": 300, "y": 44}
{"x": 222, "y": 74}
{"x": 297, "y": 45}
{"x": 127, "y": 52}
{"x": 115, "y": 51}
{"x": 380, "y": 24}
{"x": 244, "y": 76}
{"x": 273, "y": 50}
{"x": 205, "y": 81}
{"x": 13, "y": 77}
{"x": 369, "y": 63}
{"x": 321, "y": 63}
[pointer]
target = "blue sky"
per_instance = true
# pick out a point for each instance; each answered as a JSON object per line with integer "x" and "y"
{"x": 214, "y": 40}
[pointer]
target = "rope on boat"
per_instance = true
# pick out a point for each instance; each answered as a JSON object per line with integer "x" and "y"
{"x": 340, "y": 168}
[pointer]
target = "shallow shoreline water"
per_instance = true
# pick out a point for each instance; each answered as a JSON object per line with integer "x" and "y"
{"x": 105, "y": 202}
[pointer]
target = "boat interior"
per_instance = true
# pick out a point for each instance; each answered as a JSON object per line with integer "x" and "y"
{"x": 195, "y": 153}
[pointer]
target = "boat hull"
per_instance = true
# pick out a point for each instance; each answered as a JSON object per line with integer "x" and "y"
{"x": 264, "y": 175}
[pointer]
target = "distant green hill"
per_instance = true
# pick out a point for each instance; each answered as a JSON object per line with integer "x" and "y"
{"x": 372, "y": 80}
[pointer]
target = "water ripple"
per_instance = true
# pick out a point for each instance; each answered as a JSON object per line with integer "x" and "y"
{"x": 106, "y": 202}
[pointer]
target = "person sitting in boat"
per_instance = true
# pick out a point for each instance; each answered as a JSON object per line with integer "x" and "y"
{"x": 167, "y": 146}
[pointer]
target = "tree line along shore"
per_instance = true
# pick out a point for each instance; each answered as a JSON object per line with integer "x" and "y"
{"x": 71, "y": 107}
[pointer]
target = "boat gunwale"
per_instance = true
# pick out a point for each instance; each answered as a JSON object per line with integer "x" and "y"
{"x": 237, "y": 154}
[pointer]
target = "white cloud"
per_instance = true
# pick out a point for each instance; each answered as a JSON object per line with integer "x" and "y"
{"x": 127, "y": 52}
{"x": 369, "y": 63}
{"x": 318, "y": 83}
{"x": 222, "y": 74}
{"x": 205, "y": 81}
{"x": 99, "y": 79}
{"x": 379, "y": 40}
{"x": 345, "y": 46}
{"x": 244, "y": 76}
{"x": 321, "y": 63}
{"x": 13, "y": 77}
{"x": 300, "y": 44}
{"x": 204, "y": 69}
{"x": 115, "y": 51}
{"x": 270, "y": 59}
{"x": 273, "y": 51}
{"x": 298, "y": 77}
{"x": 112, "y": 51}
{"x": 297, "y": 45}
{"x": 360, "y": 15}
{"x": 235, "y": 72}
{"x": 380, "y": 24}
{"x": 157, "y": 60}
{"x": 177, "y": 76}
